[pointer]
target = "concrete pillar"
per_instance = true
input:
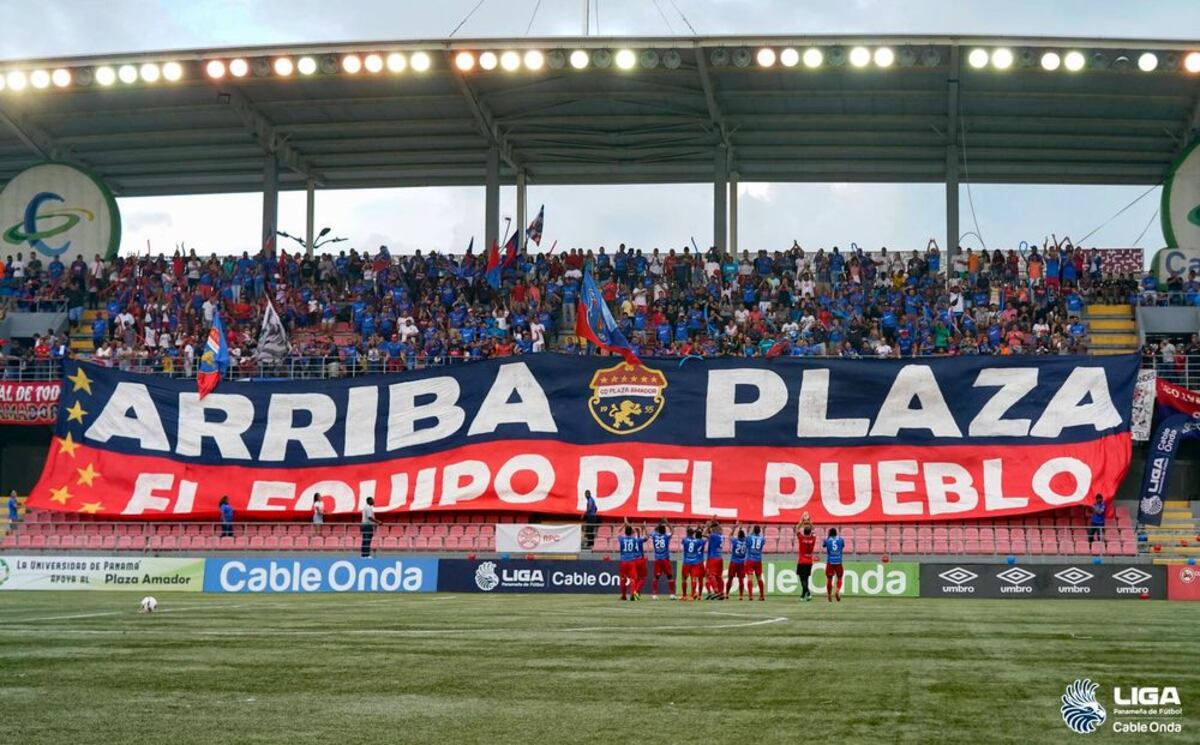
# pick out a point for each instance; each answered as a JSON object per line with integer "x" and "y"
{"x": 491, "y": 199}
{"x": 522, "y": 220}
{"x": 733, "y": 212}
{"x": 952, "y": 229}
{"x": 270, "y": 217}
{"x": 720, "y": 205}
{"x": 310, "y": 209}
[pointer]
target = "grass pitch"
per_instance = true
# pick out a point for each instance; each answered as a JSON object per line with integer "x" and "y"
{"x": 88, "y": 668}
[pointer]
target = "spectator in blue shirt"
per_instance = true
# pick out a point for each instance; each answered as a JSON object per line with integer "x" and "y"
{"x": 1096, "y": 524}
{"x": 226, "y": 518}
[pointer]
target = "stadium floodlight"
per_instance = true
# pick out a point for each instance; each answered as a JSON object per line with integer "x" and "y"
{"x": 1002, "y": 58}
{"x": 261, "y": 67}
{"x": 626, "y": 59}
{"x": 84, "y": 76}
{"x": 238, "y": 68}
{"x": 397, "y": 62}
{"x": 884, "y": 57}
{"x": 1074, "y": 61}
{"x": 766, "y": 57}
{"x": 173, "y": 72}
{"x": 1191, "y": 63}
{"x": 128, "y": 74}
{"x": 1099, "y": 61}
{"x": 741, "y": 57}
{"x": 1148, "y": 62}
{"x": 39, "y": 79}
{"x": 534, "y": 60}
{"x": 421, "y": 61}
{"x": 907, "y": 56}
{"x": 2, "y": 83}
{"x": 601, "y": 58}
{"x": 488, "y": 60}
{"x": 649, "y": 59}
{"x": 284, "y": 67}
{"x": 373, "y": 63}
{"x": 510, "y": 60}
{"x": 719, "y": 57}
{"x": 329, "y": 64}
{"x": 931, "y": 57}
{"x": 352, "y": 64}
{"x": 671, "y": 59}
{"x": 1122, "y": 63}
{"x": 106, "y": 76}
{"x": 860, "y": 56}
{"x": 61, "y": 77}
{"x": 306, "y": 65}
{"x": 556, "y": 59}
{"x": 1051, "y": 61}
{"x": 789, "y": 57}
{"x": 464, "y": 61}
{"x": 579, "y": 59}
{"x": 214, "y": 69}
{"x": 978, "y": 58}
{"x": 150, "y": 72}
{"x": 836, "y": 56}
{"x": 17, "y": 81}
{"x": 813, "y": 58}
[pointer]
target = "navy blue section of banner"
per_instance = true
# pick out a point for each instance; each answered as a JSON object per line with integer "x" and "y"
{"x": 1163, "y": 447}
{"x": 593, "y": 400}
{"x": 500, "y": 575}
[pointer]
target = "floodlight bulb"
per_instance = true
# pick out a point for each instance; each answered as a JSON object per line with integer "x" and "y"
{"x": 17, "y": 81}
{"x": 39, "y": 79}
{"x": 789, "y": 57}
{"x": 352, "y": 64}
{"x": 1074, "y": 61}
{"x": 128, "y": 74}
{"x": 884, "y": 57}
{"x": 397, "y": 62}
{"x": 488, "y": 60}
{"x": 106, "y": 76}
{"x": 1002, "y": 58}
{"x": 534, "y": 60}
{"x": 510, "y": 60}
{"x": 150, "y": 73}
{"x": 860, "y": 56}
{"x": 765, "y": 57}
{"x": 173, "y": 71}
{"x": 626, "y": 59}
{"x": 420, "y": 61}
{"x": 306, "y": 65}
{"x": 61, "y": 77}
{"x": 464, "y": 61}
{"x": 214, "y": 69}
{"x": 1051, "y": 61}
{"x": 238, "y": 68}
{"x": 1148, "y": 62}
{"x": 813, "y": 58}
{"x": 373, "y": 63}
{"x": 1191, "y": 63}
{"x": 284, "y": 67}
{"x": 579, "y": 59}
{"x": 978, "y": 58}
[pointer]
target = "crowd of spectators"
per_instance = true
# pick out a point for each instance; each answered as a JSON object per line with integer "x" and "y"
{"x": 373, "y": 312}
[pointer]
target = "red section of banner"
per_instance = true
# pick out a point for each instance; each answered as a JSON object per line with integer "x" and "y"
{"x": 29, "y": 403}
{"x": 767, "y": 484}
{"x": 1183, "y": 583}
{"x": 1179, "y": 398}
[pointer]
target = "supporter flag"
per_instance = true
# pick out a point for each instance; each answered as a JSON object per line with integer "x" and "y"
{"x": 783, "y": 346}
{"x": 214, "y": 359}
{"x": 534, "y": 232}
{"x": 471, "y": 245}
{"x": 491, "y": 271}
{"x": 272, "y": 338}
{"x": 268, "y": 244}
{"x": 510, "y": 250}
{"x": 594, "y": 322}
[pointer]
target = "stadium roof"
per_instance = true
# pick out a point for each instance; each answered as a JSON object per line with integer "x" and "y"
{"x": 660, "y": 121}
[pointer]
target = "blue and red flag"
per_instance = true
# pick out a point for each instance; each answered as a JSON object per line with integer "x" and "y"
{"x": 594, "y": 322}
{"x": 534, "y": 231}
{"x": 491, "y": 270}
{"x": 510, "y": 251}
{"x": 214, "y": 359}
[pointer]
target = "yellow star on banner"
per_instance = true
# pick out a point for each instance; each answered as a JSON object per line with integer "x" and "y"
{"x": 81, "y": 381}
{"x": 76, "y": 413}
{"x": 67, "y": 445}
{"x": 60, "y": 495}
{"x": 91, "y": 508}
{"x": 87, "y": 475}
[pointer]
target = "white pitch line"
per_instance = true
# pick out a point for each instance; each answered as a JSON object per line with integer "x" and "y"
{"x": 65, "y": 618}
{"x": 747, "y": 624}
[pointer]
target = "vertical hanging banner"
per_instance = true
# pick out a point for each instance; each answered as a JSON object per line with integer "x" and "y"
{"x": 1144, "y": 395}
{"x": 1179, "y": 419}
{"x": 731, "y": 439}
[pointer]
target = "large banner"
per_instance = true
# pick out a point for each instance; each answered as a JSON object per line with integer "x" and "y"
{"x": 896, "y": 579}
{"x": 503, "y": 576}
{"x": 1183, "y": 582}
{"x": 100, "y": 573}
{"x": 304, "y": 574}
{"x": 752, "y": 440}
{"x": 29, "y": 403}
{"x": 1043, "y": 581}
{"x": 538, "y": 539}
{"x": 1178, "y": 420}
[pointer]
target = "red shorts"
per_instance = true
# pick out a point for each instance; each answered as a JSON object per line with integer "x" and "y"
{"x": 694, "y": 570}
{"x": 641, "y": 567}
{"x": 663, "y": 566}
{"x": 753, "y": 567}
{"x": 835, "y": 570}
{"x": 628, "y": 570}
{"x": 737, "y": 570}
{"x": 716, "y": 567}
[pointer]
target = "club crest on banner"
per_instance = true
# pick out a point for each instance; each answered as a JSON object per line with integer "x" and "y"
{"x": 627, "y": 398}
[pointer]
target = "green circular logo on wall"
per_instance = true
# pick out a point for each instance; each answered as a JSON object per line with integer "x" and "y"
{"x": 59, "y": 210}
{"x": 1181, "y": 200}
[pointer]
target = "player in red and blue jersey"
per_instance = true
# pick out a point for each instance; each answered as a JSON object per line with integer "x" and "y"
{"x": 660, "y": 540}
{"x": 693, "y": 563}
{"x": 715, "y": 560}
{"x": 630, "y": 546}
{"x": 737, "y": 563}
{"x": 754, "y": 570}
{"x": 834, "y": 570}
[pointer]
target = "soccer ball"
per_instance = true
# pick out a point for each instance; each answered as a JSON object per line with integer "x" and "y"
{"x": 149, "y": 604}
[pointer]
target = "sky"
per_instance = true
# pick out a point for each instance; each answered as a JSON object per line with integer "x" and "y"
{"x": 771, "y": 216}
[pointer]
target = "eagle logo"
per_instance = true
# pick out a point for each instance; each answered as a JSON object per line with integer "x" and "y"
{"x": 1080, "y": 709}
{"x": 626, "y": 398}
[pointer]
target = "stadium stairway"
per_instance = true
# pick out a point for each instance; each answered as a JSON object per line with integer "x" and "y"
{"x": 81, "y": 339}
{"x": 1112, "y": 328}
{"x": 1178, "y": 538}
